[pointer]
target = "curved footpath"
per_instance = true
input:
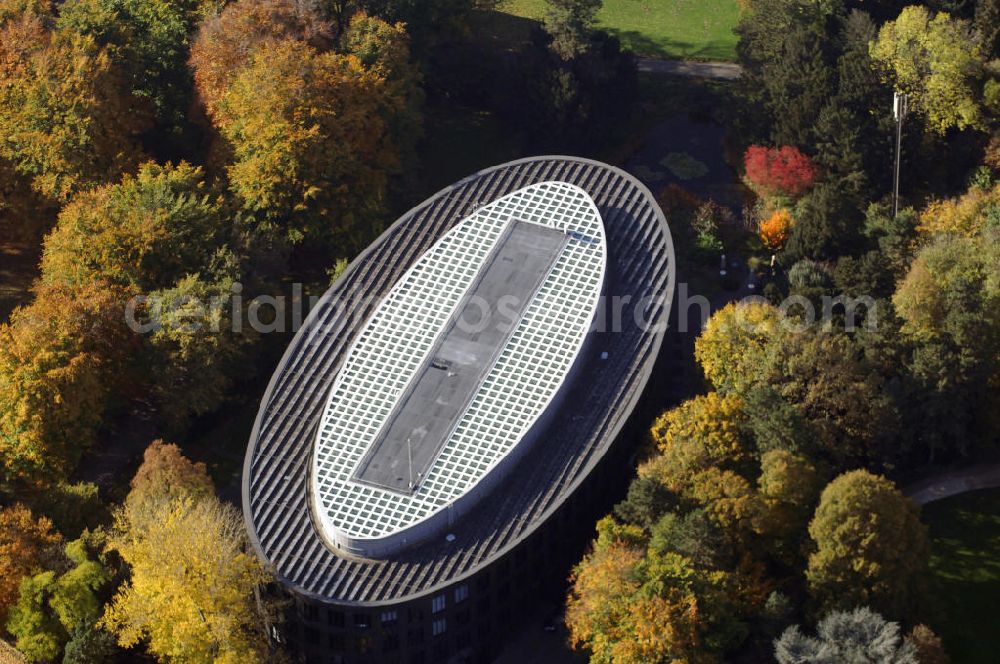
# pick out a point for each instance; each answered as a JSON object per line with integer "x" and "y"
{"x": 953, "y": 483}
{"x": 727, "y": 71}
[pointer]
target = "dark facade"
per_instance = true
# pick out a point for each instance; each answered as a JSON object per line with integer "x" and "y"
{"x": 456, "y": 598}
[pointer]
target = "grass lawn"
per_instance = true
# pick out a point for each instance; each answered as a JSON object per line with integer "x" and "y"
{"x": 676, "y": 29}
{"x": 965, "y": 531}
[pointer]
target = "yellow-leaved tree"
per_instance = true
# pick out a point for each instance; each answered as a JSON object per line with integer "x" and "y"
{"x": 937, "y": 62}
{"x": 193, "y": 577}
{"x": 736, "y": 344}
{"x": 311, "y": 151}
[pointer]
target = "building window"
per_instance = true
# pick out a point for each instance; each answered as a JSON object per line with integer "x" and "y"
{"x": 336, "y": 642}
{"x": 335, "y": 618}
{"x": 438, "y": 627}
{"x": 362, "y": 620}
{"x": 363, "y": 645}
{"x": 437, "y": 604}
{"x": 310, "y": 612}
{"x": 461, "y": 593}
{"x": 388, "y": 618}
{"x": 415, "y": 615}
{"x": 391, "y": 643}
{"x": 415, "y": 635}
{"x": 311, "y": 636}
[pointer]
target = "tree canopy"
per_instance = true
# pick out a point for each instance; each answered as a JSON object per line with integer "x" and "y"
{"x": 871, "y": 549}
{"x": 936, "y": 61}
{"x": 66, "y": 120}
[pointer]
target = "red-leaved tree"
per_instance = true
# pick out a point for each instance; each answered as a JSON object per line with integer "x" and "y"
{"x": 783, "y": 170}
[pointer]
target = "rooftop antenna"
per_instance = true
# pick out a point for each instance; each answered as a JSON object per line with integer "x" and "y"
{"x": 409, "y": 456}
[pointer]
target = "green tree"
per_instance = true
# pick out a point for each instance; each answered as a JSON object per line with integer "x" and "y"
{"x": 827, "y": 224}
{"x": 52, "y": 606}
{"x": 948, "y": 304}
{"x": 194, "y": 350}
{"x": 799, "y": 83}
{"x": 870, "y": 547}
{"x": 66, "y": 119}
{"x": 145, "y": 233}
{"x": 839, "y": 393}
{"x": 148, "y": 40}
{"x": 570, "y": 23}
{"x": 937, "y": 62}
{"x": 37, "y": 631}
{"x": 26, "y": 544}
{"x": 847, "y": 637}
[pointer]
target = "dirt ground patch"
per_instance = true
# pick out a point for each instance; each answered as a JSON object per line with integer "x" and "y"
{"x": 18, "y": 269}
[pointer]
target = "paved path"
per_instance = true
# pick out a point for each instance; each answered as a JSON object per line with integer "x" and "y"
{"x": 728, "y": 71}
{"x": 954, "y": 483}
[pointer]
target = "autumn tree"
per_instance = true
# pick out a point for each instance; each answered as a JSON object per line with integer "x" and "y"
{"x": 871, "y": 548}
{"x": 928, "y": 645}
{"x": 936, "y": 61}
{"x": 59, "y": 360}
{"x": 67, "y": 122}
{"x": 26, "y": 545}
{"x": 225, "y": 44}
{"x": 311, "y": 152}
{"x": 144, "y": 233}
{"x": 160, "y": 235}
{"x": 969, "y": 214}
{"x": 190, "y": 594}
{"x": 783, "y": 171}
{"x": 859, "y": 635}
{"x": 734, "y": 347}
{"x": 166, "y": 475}
{"x": 774, "y": 230}
{"x": 787, "y": 491}
{"x": 570, "y": 23}
{"x": 384, "y": 49}
{"x": 627, "y": 605}
{"x": 148, "y": 41}
{"x": 708, "y": 430}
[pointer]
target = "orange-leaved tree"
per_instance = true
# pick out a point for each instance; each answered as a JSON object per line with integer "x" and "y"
{"x": 774, "y": 230}
{"x": 59, "y": 359}
{"x": 25, "y": 543}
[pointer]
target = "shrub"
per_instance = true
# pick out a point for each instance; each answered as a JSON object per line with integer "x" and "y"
{"x": 774, "y": 231}
{"x": 779, "y": 171}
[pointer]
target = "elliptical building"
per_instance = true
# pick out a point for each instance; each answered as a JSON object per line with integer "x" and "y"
{"x": 451, "y": 406}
